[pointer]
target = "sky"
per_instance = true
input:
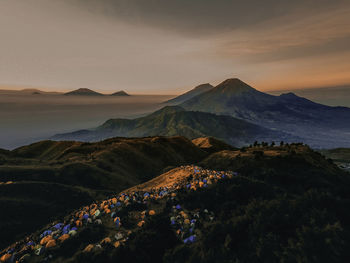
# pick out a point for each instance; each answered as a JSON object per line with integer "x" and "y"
{"x": 168, "y": 46}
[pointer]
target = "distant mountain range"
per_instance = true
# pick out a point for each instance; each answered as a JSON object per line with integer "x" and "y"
{"x": 331, "y": 96}
{"x": 89, "y": 92}
{"x": 83, "y": 92}
{"x": 236, "y": 113}
{"x": 317, "y": 124}
{"x": 120, "y": 93}
{"x": 77, "y": 92}
{"x": 29, "y": 91}
{"x": 190, "y": 94}
{"x": 174, "y": 120}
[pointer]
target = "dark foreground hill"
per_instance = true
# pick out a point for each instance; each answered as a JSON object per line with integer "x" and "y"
{"x": 318, "y": 125}
{"x": 174, "y": 120}
{"x": 51, "y": 178}
{"x": 282, "y": 204}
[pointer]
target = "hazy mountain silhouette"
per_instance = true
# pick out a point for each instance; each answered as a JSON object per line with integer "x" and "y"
{"x": 120, "y": 93}
{"x": 288, "y": 113}
{"x": 190, "y": 94}
{"x": 174, "y": 120}
{"x": 83, "y": 92}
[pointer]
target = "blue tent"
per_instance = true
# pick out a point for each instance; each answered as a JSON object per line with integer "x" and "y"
{"x": 58, "y": 226}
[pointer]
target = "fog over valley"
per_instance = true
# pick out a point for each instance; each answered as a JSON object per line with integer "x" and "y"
{"x": 26, "y": 118}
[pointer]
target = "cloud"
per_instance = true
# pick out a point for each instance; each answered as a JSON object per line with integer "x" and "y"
{"x": 204, "y": 17}
{"x": 290, "y": 37}
{"x": 161, "y": 46}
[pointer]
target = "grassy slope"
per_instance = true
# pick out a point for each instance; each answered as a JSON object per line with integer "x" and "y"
{"x": 174, "y": 120}
{"x": 288, "y": 204}
{"x": 48, "y": 175}
{"x": 338, "y": 155}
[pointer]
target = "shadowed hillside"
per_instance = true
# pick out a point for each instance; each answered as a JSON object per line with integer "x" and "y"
{"x": 50, "y": 178}
{"x": 190, "y": 94}
{"x": 341, "y": 156}
{"x": 277, "y": 204}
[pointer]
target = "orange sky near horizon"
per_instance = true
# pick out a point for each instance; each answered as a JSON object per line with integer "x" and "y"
{"x": 162, "y": 47}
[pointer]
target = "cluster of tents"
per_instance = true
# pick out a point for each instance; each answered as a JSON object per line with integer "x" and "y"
{"x": 187, "y": 224}
{"x": 184, "y": 222}
{"x": 4, "y": 183}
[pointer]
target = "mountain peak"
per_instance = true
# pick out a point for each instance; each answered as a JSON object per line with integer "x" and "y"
{"x": 84, "y": 92}
{"x": 120, "y": 93}
{"x": 234, "y": 85}
{"x": 232, "y": 81}
{"x": 203, "y": 86}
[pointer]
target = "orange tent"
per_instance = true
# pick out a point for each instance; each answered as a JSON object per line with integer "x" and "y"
{"x": 51, "y": 243}
{"x": 78, "y": 223}
{"x": 63, "y": 237}
{"x": 45, "y": 240}
{"x": 5, "y": 257}
{"x": 106, "y": 240}
{"x": 152, "y": 212}
{"x": 141, "y": 223}
{"x": 88, "y": 248}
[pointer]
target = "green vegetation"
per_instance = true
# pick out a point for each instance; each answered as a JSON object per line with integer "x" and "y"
{"x": 338, "y": 154}
{"x": 341, "y": 156}
{"x": 287, "y": 204}
{"x": 51, "y": 178}
{"x": 174, "y": 120}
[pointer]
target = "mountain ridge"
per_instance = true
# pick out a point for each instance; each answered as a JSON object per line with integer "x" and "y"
{"x": 120, "y": 93}
{"x": 190, "y": 94}
{"x": 174, "y": 120}
{"x": 287, "y": 112}
{"x": 83, "y": 92}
